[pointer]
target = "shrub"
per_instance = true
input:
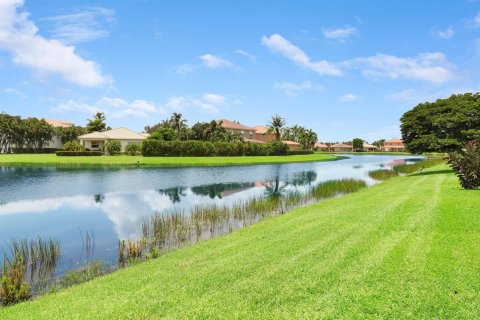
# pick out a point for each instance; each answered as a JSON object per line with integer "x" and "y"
{"x": 78, "y": 153}
{"x": 165, "y": 134}
{"x": 382, "y": 174}
{"x": 73, "y": 146}
{"x": 300, "y": 152}
{"x": 276, "y": 148}
{"x": 14, "y": 288}
{"x": 133, "y": 149}
{"x": 466, "y": 164}
{"x": 113, "y": 147}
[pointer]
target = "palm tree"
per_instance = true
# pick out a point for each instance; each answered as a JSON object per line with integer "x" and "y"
{"x": 212, "y": 127}
{"x": 177, "y": 123}
{"x": 276, "y": 125}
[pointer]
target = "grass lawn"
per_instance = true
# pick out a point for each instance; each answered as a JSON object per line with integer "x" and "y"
{"x": 406, "y": 248}
{"x": 52, "y": 159}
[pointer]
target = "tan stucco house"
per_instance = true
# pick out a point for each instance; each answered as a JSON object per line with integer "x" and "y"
{"x": 369, "y": 147}
{"x": 341, "y": 147}
{"x": 394, "y": 145}
{"x": 320, "y": 146}
{"x": 95, "y": 141}
{"x": 56, "y": 143}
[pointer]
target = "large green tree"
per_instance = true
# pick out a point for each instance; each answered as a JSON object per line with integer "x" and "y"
{"x": 442, "y": 126}
{"x": 69, "y": 133}
{"x": 38, "y": 133}
{"x": 357, "y": 144}
{"x": 12, "y": 132}
{"x": 307, "y": 139}
{"x": 98, "y": 123}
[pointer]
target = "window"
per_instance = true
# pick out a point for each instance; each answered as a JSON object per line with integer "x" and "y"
{"x": 95, "y": 144}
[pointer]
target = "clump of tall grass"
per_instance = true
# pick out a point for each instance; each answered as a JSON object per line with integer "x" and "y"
{"x": 382, "y": 174}
{"x": 86, "y": 273}
{"x": 26, "y": 267}
{"x": 173, "y": 229}
{"x": 417, "y": 166}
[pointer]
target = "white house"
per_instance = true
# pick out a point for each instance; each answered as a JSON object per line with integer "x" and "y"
{"x": 95, "y": 141}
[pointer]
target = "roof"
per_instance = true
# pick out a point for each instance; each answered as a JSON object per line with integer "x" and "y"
{"x": 59, "y": 123}
{"x": 227, "y": 124}
{"x": 394, "y": 140}
{"x": 261, "y": 129}
{"x": 319, "y": 145}
{"x": 341, "y": 145}
{"x": 114, "y": 134}
{"x": 367, "y": 145}
{"x": 291, "y": 143}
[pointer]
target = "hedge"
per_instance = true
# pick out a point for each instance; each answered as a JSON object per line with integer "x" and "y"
{"x": 33, "y": 150}
{"x": 78, "y": 153}
{"x": 195, "y": 148}
{"x": 299, "y": 152}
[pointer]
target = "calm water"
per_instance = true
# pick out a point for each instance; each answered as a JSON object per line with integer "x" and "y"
{"x": 65, "y": 203}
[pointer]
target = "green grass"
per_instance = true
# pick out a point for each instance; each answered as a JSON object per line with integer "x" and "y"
{"x": 407, "y": 248}
{"x": 52, "y": 159}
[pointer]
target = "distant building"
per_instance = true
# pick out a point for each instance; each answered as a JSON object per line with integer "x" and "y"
{"x": 56, "y": 143}
{"x": 262, "y": 133}
{"x": 320, "y": 146}
{"x": 341, "y": 147}
{"x": 394, "y": 145}
{"x": 236, "y": 127}
{"x": 369, "y": 147}
{"x": 96, "y": 141}
{"x": 292, "y": 145}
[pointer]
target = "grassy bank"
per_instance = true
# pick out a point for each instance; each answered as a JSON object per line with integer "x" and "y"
{"x": 51, "y": 159}
{"x": 406, "y": 248}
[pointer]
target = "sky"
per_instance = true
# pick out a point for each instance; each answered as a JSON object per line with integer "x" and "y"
{"x": 342, "y": 68}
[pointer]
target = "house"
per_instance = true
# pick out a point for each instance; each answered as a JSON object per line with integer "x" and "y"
{"x": 236, "y": 127}
{"x": 394, "y": 145}
{"x": 56, "y": 143}
{"x": 369, "y": 147}
{"x": 320, "y": 146}
{"x": 341, "y": 147}
{"x": 292, "y": 145}
{"x": 262, "y": 133}
{"x": 95, "y": 141}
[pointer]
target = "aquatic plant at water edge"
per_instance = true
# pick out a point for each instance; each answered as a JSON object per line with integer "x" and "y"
{"x": 411, "y": 168}
{"x": 14, "y": 288}
{"x": 382, "y": 174}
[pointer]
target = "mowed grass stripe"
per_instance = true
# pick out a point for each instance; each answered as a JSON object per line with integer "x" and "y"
{"x": 400, "y": 249}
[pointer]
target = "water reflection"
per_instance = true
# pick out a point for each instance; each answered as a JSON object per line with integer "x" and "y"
{"x": 58, "y": 202}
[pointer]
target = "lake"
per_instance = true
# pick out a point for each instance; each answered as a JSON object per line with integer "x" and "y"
{"x": 66, "y": 203}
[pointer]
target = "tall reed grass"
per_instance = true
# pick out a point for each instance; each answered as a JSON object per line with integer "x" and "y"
{"x": 417, "y": 166}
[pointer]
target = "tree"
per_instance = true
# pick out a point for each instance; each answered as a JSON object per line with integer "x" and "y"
{"x": 133, "y": 148}
{"x": 69, "y": 133}
{"x": 12, "y": 132}
{"x": 113, "y": 147}
{"x": 165, "y": 134}
{"x": 197, "y": 131}
{"x": 38, "y": 133}
{"x": 379, "y": 143}
{"x": 178, "y": 124}
{"x": 98, "y": 123}
{"x": 442, "y": 126}
{"x": 213, "y": 130}
{"x": 357, "y": 144}
{"x": 307, "y": 139}
{"x": 162, "y": 124}
{"x": 276, "y": 125}
{"x": 73, "y": 146}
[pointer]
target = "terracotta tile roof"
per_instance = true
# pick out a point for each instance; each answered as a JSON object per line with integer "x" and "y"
{"x": 320, "y": 145}
{"x": 261, "y": 129}
{"x": 395, "y": 140}
{"x": 254, "y": 141}
{"x": 341, "y": 145}
{"x": 227, "y": 124}
{"x": 291, "y": 143}
{"x": 367, "y": 145}
{"x": 59, "y": 123}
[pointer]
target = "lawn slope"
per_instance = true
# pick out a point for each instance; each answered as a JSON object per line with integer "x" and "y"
{"x": 52, "y": 159}
{"x": 406, "y": 248}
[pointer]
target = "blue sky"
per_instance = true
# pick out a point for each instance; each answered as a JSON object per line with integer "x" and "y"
{"x": 343, "y": 68}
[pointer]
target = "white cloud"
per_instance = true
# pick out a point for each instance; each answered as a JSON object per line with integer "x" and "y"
{"x": 185, "y": 68}
{"x": 430, "y": 67}
{"x": 113, "y": 107}
{"x": 214, "y": 99}
{"x": 212, "y": 61}
{"x": 406, "y": 95}
{"x": 18, "y": 93}
{"x": 177, "y": 103}
{"x": 294, "y": 89}
{"x": 445, "y": 34}
{"x": 349, "y": 97}
{"x": 476, "y": 21}
{"x": 279, "y": 44}
{"x": 86, "y": 25}
{"x": 19, "y": 36}
{"x": 246, "y": 54}
{"x": 339, "y": 34}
